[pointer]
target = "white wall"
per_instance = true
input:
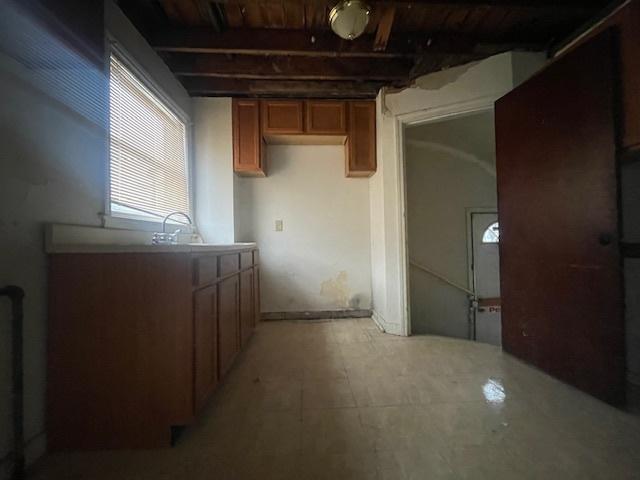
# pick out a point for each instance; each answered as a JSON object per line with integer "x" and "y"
{"x": 456, "y": 90}
{"x": 321, "y": 259}
{"x": 52, "y": 169}
{"x": 213, "y": 169}
{"x": 450, "y": 168}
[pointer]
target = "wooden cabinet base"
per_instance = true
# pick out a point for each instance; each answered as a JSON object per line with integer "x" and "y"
{"x": 138, "y": 342}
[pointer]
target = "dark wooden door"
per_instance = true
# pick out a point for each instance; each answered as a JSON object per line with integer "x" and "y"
{"x": 228, "y": 324}
{"x": 559, "y": 252}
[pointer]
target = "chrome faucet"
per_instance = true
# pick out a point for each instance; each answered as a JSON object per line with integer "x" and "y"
{"x": 164, "y": 238}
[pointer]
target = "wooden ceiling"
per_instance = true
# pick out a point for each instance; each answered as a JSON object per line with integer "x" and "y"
{"x": 285, "y": 48}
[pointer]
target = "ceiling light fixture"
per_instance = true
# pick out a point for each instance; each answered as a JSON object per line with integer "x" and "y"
{"x": 349, "y": 18}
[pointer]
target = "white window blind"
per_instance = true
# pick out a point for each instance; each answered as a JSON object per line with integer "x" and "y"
{"x": 148, "y": 154}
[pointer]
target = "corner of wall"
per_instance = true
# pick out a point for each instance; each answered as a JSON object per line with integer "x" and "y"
{"x": 214, "y": 180}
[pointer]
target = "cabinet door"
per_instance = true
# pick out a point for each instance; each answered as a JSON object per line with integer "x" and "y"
{"x": 247, "y": 140}
{"x": 326, "y": 117}
{"x": 228, "y": 323}
{"x": 247, "y": 319}
{"x": 361, "y": 142}
{"x": 282, "y": 117}
{"x": 256, "y": 294}
{"x": 206, "y": 344}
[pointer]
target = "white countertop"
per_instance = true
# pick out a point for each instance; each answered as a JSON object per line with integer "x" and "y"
{"x": 86, "y": 239}
{"x": 133, "y": 248}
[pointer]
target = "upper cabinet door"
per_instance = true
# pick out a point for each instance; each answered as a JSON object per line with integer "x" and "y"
{"x": 361, "y": 142}
{"x": 247, "y": 139}
{"x": 282, "y": 117}
{"x": 326, "y": 117}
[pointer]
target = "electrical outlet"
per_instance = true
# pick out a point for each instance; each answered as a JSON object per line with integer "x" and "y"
{"x": 279, "y": 227}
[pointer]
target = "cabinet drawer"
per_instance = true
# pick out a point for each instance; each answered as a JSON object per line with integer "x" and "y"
{"x": 229, "y": 264}
{"x": 205, "y": 270}
{"x": 246, "y": 260}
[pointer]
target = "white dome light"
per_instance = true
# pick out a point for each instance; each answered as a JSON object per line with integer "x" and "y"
{"x": 349, "y": 18}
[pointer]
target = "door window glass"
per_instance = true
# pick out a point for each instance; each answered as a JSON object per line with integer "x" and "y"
{"x": 491, "y": 234}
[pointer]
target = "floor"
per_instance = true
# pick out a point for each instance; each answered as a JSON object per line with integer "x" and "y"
{"x": 341, "y": 400}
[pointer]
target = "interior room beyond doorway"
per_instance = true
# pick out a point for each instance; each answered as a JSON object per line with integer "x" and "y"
{"x": 451, "y": 190}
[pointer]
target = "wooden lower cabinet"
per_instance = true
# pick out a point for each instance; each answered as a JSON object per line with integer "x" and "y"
{"x": 247, "y": 317}
{"x": 205, "y": 320}
{"x": 228, "y": 323}
{"x": 256, "y": 290}
{"x": 138, "y": 342}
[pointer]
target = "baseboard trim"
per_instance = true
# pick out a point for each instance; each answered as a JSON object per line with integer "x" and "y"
{"x": 315, "y": 315}
{"x": 386, "y": 327}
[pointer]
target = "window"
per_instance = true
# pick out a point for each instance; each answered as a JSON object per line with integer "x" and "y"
{"x": 491, "y": 234}
{"x": 149, "y": 175}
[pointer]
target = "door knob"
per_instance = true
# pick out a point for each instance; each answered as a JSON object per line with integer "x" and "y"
{"x": 605, "y": 239}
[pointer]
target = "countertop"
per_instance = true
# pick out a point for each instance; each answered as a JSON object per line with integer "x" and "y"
{"x": 134, "y": 248}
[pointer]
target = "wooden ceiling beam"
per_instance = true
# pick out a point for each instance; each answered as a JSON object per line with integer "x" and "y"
{"x": 221, "y": 87}
{"x": 281, "y": 42}
{"x": 278, "y": 42}
{"x": 384, "y": 29}
{"x": 292, "y": 68}
{"x": 532, "y": 4}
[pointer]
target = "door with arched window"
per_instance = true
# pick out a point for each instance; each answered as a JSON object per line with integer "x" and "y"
{"x": 485, "y": 265}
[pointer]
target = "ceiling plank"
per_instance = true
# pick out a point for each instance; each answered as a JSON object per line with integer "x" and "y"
{"x": 533, "y": 4}
{"x": 320, "y": 44}
{"x": 384, "y": 29}
{"x": 291, "y": 68}
{"x": 203, "y": 86}
{"x": 278, "y": 42}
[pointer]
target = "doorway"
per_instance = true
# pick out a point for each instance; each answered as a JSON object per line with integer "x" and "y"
{"x": 484, "y": 262}
{"x": 449, "y": 171}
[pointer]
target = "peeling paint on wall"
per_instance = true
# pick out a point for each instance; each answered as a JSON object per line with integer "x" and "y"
{"x": 437, "y": 80}
{"x": 337, "y": 289}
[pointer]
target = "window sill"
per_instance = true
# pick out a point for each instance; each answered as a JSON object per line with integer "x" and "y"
{"x": 125, "y": 222}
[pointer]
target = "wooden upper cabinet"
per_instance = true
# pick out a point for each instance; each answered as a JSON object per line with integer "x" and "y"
{"x": 325, "y": 117}
{"x": 361, "y": 140}
{"x": 282, "y": 117}
{"x": 299, "y": 122}
{"x": 248, "y": 149}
